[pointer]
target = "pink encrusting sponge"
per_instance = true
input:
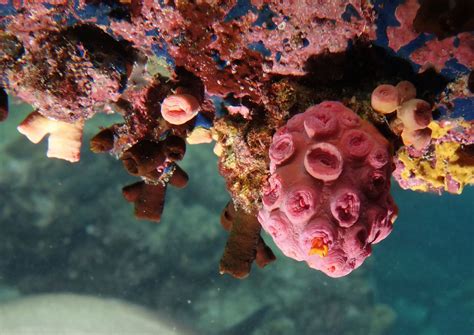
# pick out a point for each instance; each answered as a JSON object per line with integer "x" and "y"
{"x": 328, "y": 197}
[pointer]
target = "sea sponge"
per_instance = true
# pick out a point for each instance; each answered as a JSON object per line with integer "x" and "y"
{"x": 449, "y": 166}
{"x": 64, "y": 140}
{"x": 327, "y": 199}
{"x": 179, "y": 108}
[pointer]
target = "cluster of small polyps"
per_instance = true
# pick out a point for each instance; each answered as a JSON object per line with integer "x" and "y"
{"x": 413, "y": 115}
{"x": 328, "y": 197}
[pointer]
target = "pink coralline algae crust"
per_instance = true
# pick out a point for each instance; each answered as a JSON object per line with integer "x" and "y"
{"x": 435, "y": 52}
{"x": 295, "y": 23}
{"x": 327, "y": 199}
{"x": 403, "y": 34}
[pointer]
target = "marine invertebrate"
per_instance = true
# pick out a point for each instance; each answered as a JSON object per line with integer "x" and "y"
{"x": 64, "y": 140}
{"x": 413, "y": 115}
{"x": 449, "y": 167}
{"x": 330, "y": 201}
{"x": 240, "y": 73}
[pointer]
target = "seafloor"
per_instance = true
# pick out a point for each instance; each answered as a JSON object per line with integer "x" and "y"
{"x": 66, "y": 228}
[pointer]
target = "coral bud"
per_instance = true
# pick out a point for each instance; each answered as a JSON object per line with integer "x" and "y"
{"x": 281, "y": 149}
{"x": 64, "y": 138}
{"x": 356, "y": 143}
{"x": 323, "y": 161}
{"x": 320, "y": 123}
{"x": 375, "y": 183}
{"x": 3, "y": 104}
{"x": 349, "y": 119}
{"x": 179, "y": 108}
{"x": 174, "y": 148}
{"x": 380, "y": 225}
{"x": 275, "y": 223}
{"x": 179, "y": 178}
{"x": 317, "y": 237}
{"x": 415, "y": 114}
{"x": 385, "y": 99}
{"x": 355, "y": 245}
{"x": 419, "y": 139}
{"x": 331, "y": 106}
{"x": 378, "y": 157}
{"x": 103, "y": 141}
{"x": 406, "y": 91}
{"x": 143, "y": 157}
{"x": 345, "y": 207}
{"x": 335, "y": 264}
{"x": 272, "y": 192}
{"x": 296, "y": 123}
{"x": 300, "y": 203}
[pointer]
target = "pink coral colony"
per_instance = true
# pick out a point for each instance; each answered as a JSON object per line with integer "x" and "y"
{"x": 328, "y": 199}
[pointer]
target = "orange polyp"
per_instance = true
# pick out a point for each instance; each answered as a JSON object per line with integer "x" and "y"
{"x": 318, "y": 247}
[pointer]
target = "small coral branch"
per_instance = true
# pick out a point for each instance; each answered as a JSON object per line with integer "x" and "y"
{"x": 64, "y": 140}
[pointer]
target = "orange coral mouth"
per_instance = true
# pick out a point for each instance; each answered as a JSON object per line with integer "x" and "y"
{"x": 318, "y": 247}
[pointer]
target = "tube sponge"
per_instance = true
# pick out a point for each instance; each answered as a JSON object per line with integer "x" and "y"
{"x": 327, "y": 199}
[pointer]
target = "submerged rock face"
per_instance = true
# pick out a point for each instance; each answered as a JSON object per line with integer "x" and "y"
{"x": 328, "y": 197}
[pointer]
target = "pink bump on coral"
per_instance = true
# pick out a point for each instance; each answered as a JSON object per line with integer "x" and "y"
{"x": 375, "y": 183}
{"x": 320, "y": 206}
{"x": 345, "y": 207}
{"x": 317, "y": 238}
{"x": 356, "y": 143}
{"x": 179, "y": 108}
{"x": 278, "y": 226}
{"x": 323, "y": 161}
{"x": 385, "y": 99}
{"x": 379, "y": 223}
{"x": 320, "y": 123}
{"x": 415, "y": 114}
{"x": 300, "y": 203}
{"x": 272, "y": 192}
{"x": 378, "y": 157}
{"x": 282, "y": 148}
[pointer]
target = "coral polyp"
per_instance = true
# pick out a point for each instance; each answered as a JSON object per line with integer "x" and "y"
{"x": 310, "y": 105}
